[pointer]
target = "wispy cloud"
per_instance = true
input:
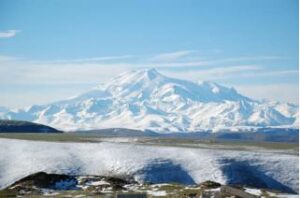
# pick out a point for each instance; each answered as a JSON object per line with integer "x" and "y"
{"x": 87, "y": 60}
{"x": 8, "y": 34}
{"x": 251, "y": 58}
{"x": 177, "y": 65}
{"x": 89, "y": 73}
{"x": 53, "y": 73}
{"x": 192, "y": 59}
{"x": 16, "y": 72}
{"x": 172, "y": 56}
{"x": 215, "y": 73}
{"x": 234, "y": 72}
{"x": 7, "y": 58}
{"x": 278, "y": 92}
{"x": 100, "y": 69}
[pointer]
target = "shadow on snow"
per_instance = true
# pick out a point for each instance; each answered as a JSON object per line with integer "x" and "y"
{"x": 241, "y": 173}
{"x": 165, "y": 172}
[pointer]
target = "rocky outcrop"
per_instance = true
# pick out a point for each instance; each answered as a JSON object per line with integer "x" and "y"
{"x": 61, "y": 185}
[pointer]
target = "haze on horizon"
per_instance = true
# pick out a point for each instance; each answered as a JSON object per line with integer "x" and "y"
{"x": 51, "y": 50}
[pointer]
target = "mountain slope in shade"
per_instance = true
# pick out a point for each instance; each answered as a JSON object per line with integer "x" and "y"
{"x": 146, "y": 99}
{"x": 15, "y": 126}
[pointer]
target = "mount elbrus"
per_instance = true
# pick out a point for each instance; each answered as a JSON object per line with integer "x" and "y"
{"x": 146, "y": 99}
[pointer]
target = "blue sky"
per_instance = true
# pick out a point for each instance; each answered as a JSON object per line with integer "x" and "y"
{"x": 52, "y": 49}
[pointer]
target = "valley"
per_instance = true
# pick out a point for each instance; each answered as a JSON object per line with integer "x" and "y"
{"x": 283, "y": 147}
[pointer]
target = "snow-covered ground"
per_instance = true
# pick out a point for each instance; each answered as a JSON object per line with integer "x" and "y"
{"x": 19, "y": 158}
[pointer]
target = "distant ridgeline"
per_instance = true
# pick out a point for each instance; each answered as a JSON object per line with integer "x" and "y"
{"x": 24, "y": 127}
{"x": 259, "y": 135}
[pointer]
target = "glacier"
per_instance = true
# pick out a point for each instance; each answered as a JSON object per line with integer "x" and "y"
{"x": 148, "y": 100}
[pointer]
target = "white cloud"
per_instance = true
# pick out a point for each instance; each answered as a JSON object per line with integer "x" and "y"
{"x": 7, "y": 58}
{"x": 172, "y": 56}
{"x": 8, "y": 34}
{"x": 214, "y": 73}
{"x": 87, "y": 60}
{"x": 250, "y": 58}
{"x": 178, "y": 64}
{"x": 28, "y": 95}
{"x": 81, "y": 71}
{"x": 92, "y": 71}
{"x": 51, "y": 74}
{"x": 192, "y": 58}
{"x": 277, "y": 92}
{"x": 236, "y": 72}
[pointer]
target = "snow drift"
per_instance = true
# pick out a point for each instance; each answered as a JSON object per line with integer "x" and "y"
{"x": 151, "y": 164}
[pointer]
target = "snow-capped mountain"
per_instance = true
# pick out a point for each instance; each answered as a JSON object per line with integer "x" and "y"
{"x": 146, "y": 99}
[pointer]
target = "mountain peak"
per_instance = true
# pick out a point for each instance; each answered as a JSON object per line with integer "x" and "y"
{"x": 149, "y": 73}
{"x": 144, "y": 76}
{"x": 152, "y": 71}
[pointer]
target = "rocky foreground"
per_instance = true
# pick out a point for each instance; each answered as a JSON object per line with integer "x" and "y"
{"x": 60, "y": 185}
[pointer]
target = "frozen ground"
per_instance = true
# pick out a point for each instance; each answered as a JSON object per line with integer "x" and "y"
{"x": 19, "y": 158}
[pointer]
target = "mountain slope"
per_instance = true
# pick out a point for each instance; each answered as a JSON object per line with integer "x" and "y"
{"x": 146, "y": 99}
{"x": 7, "y": 126}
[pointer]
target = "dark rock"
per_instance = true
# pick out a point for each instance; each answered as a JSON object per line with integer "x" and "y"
{"x": 49, "y": 181}
{"x": 209, "y": 184}
{"x": 117, "y": 181}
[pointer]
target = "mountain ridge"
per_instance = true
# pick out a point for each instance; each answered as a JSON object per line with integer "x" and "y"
{"x": 147, "y": 99}
{"x": 17, "y": 126}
